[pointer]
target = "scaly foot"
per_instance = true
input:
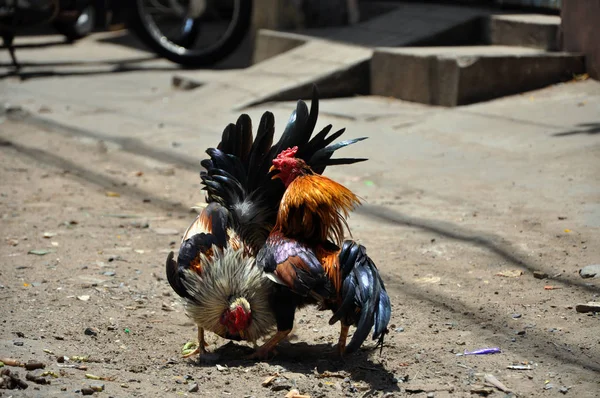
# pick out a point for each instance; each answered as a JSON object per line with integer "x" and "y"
{"x": 341, "y": 346}
{"x": 201, "y": 349}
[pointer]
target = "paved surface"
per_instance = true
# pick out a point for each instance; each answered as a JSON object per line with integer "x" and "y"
{"x": 453, "y": 196}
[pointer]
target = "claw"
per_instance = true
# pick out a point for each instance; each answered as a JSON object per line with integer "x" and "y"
{"x": 200, "y": 349}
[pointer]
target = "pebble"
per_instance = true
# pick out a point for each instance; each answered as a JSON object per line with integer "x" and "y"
{"x": 516, "y": 316}
{"x": 109, "y": 273}
{"x": 590, "y": 271}
{"x": 87, "y": 391}
{"x": 549, "y": 386}
{"x": 18, "y": 343}
{"x": 91, "y": 331}
{"x": 539, "y": 275}
{"x": 589, "y": 307}
{"x": 521, "y": 332}
{"x": 563, "y": 390}
{"x": 280, "y": 384}
{"x": 98, "y": 387}
{"x": 193, "y": 387}
{"x": 140, "y": 224}
{"x": 430, "y": 395}
{"x": 399, "y": 330}
{"x": 400, "y": 379}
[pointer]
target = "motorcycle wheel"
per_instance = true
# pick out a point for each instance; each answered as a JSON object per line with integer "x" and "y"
{"x": 180, "y": 51}
{"x": 78, "y": 28}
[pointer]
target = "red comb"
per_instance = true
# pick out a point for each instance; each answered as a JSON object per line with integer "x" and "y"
{"x": 288, "y": 153}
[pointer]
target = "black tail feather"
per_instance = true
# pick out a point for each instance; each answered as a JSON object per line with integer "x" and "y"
{"x": 190, "y": 249}
{"x": 174, "y": 278}
{"x": 365, "y": 302}
{"x": 241, "y": 157}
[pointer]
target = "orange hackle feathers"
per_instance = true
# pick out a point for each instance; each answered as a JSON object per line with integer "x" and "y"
{"x": 331, "y": 264}
{"x": 314, "y": 208}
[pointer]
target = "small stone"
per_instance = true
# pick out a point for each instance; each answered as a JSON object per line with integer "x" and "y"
{"x": 221, "y": 368}
{"x": 521, "y": 332}
{"x": 87, "y": 391}
{"x": 193, "y": 387}
{"x": 109, "y": 273}
{"x": 18, "y": 343}
{"x": 563, "y": 390}
{"x": 589, "y": 307}
{"x": 590, "y": 271}
{"x": 83, "y": 298}
{"x": 98, "y": 387}
{"x": 539, "y": 275}
{"x": 280, "y": 384}
{"x": 400, "y": 379}
{"x": 549, "y": 386}
{"x": 516, "y": 316}
{"x": 430, "y": 395}
{"x": 91, "y": 331}
{"x": 399, "y": 330}
{"x": 139, "y": 224}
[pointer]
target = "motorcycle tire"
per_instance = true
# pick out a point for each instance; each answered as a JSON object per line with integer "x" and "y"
{"x": 189, "y": 57}
{"x": 79, "y": 27}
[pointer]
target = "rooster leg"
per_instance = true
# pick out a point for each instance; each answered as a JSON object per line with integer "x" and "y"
{"x": 201, "y": 345}
{"x": 269, "y": 347}
{"x": 342, "y": 340}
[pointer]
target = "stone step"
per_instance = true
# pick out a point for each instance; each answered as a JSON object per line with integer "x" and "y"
{"x": 451, "y": 76}
{"x": 408, "y": 24}
{"x": 525, "y": 30}
{"x": 337, "y": 69}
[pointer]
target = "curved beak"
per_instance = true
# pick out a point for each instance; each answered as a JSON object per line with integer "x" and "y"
{"x": 274, "y": 173}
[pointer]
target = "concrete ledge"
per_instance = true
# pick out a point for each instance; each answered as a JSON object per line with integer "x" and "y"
{"x": 451, "y": 76}
{"x": 529, "y": 30}
{"x": 270, "y": 43}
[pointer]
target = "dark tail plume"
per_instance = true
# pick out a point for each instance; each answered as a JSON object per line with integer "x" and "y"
{"x": 237, "y": 171}
{"x": 365, "y": 302}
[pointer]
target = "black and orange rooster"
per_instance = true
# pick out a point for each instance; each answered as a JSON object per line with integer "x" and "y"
{"x": 224, "y": 288}
{"x": 305, "y": 256}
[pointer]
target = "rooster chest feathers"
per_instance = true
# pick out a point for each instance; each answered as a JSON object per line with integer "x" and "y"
{"x": 227, "y": 277}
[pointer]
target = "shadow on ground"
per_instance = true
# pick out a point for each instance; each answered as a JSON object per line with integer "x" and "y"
{"x": 310, "y": 359}
{"x": 240, "y": 58}
{"x": 584, "y": 128}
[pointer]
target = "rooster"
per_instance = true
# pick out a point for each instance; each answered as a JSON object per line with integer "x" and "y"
{"x": 304, "y": 254}
{"x": 216, "y": 274}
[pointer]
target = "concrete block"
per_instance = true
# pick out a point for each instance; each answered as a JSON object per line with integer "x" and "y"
{"x": 270, "y": 43}
{"x": 451, "y": 76}
{"x": 528, "y": 30}
{"x": 580, "y": 27}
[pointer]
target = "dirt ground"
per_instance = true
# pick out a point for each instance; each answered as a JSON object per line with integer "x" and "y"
{"x": 102, "y": 221}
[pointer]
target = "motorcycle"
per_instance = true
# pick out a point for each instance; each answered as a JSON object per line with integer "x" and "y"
{"x": 192, "y": 33}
